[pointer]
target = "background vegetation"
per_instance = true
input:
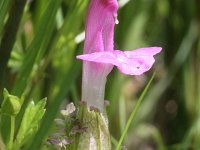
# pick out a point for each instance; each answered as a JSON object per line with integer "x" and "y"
{"x": 39, "y": 40}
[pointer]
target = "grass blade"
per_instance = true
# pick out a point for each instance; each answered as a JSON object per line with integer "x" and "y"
{"x": 9, "y": 36}
{"x": 43, "y": 35}
{"x": 134, "y": 112}
{"x": 4, "y": 7}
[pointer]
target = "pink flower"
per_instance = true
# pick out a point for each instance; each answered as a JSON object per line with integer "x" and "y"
{"x": 99, "y": 54}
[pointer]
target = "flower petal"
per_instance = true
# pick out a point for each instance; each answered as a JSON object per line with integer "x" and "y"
{"x": 140, "y": 60}
{"x": 100, "y": 57}
{"x": 150, "y": 51}
{"x": 134, "y": 62}
{"x": 100, "y": 26}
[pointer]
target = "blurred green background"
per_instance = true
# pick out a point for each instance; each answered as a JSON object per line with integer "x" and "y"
{"x": 39, "y": 40}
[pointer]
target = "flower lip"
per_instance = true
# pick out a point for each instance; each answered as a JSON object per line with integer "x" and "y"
{"x": 134, "y": 62}
{"x": 112, "y": 5}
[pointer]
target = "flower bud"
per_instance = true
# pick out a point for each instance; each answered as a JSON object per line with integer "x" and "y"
{"x": 11, "y": 104}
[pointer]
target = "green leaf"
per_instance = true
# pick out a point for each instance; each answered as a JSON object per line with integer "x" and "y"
{"x": 30, "y": 122}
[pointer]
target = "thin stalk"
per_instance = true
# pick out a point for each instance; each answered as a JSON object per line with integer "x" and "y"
{"x": 12, "y": 132}
{"x": 128, "y": 124}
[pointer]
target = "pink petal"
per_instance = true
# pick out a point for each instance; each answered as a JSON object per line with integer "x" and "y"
{"x": 144, "y": 51}
{"x": 100, "y": 26}
{"x": 134, "y": 62}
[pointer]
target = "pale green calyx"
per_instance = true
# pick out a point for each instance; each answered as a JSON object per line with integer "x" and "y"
{"x": 96, "y": 135}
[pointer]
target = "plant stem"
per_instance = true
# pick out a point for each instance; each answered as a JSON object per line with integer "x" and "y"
{"x": 7, "y": 130}
{"x": 12, "y": 132}
{"x": 134, "y": 113}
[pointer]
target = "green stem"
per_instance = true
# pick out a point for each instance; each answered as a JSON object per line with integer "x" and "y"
{"x": 7, "y": 130}
{"x": 134, "y": 113}
{"x": 12, "y": 132}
